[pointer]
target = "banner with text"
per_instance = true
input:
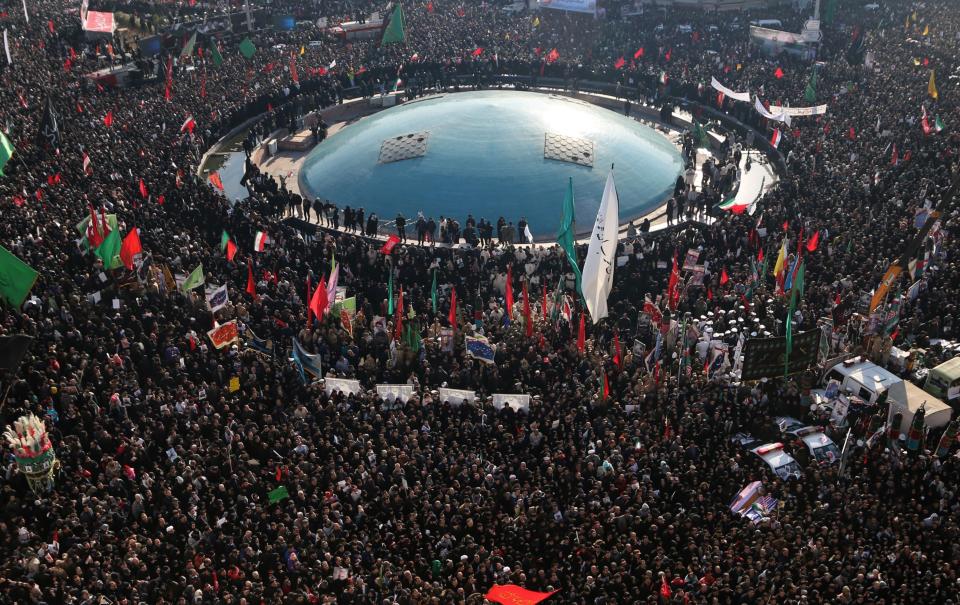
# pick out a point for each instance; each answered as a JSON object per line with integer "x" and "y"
{"x": 576, "y": 6}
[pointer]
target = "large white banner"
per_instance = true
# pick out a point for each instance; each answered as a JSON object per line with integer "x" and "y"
{"x": 391, "y": 392}
{"x": 774, "y": 35}
{"x": 457, "y": 396}
{"x": 739, "y": 96}
{"x": 512, "y": 400}
{"x": 349, "y": 387}
{"x": 816, "y": 110}
{"x": 779, "y": 116}
{"x": 577, "y": 6}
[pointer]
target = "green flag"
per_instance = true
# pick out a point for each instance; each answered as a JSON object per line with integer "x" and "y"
{"x": 224, "y": 238}
{"x": 830, "y": 12}
{"x": 347, "y": 304}
{"x": 937, "y": 125}
{"x": 433, "y": 291}
{"x": 565, "y": 236}
{"x": 188, "y": 47}
{"x": 6, "y": 151}
{"x": 109, "y": 250}
{"x": 16, "y": 278}
{"x": 810, "y": 94}
{"x": 390, "y": 293}
{"x": 394, "y": 30}
{"x": 278, "y": 494}
{"x": 700, "y": 134}
{"x": 247, "y": 49}
{"x": 797, "y": 285}
{"x": 215, "y": 55}
{"x": 194, "y": 279}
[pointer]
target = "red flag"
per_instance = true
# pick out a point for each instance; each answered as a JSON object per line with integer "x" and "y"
{"x": 552, "y": 56}
{"x": 893, "y": 156}
{"x": 852, "y": 134}
{"x": 786, "y": 225}
{"x": 67, "y": 65}
{"x": 617, "y": 358}
{"x": 709, "y": 293}
{"x": 908, "y": 155}
{"x": 215, "y": 180}
{"x": 107, "y": 119}
{"x": 606, "y": 386}
{"x": 251, "y": 285}
{"x": 94, "y": 235}
{"x": 161, "y": 199}
{"x": 543, "y": 302}
{"x": 665, "y": 591}
{"x": 720, "y": 97}
{"x": 527, "y": 321}
{"x": 453, "y": 309}
{"x": 639, "y": 53}
{"x": 760, "y": 256}
{"x": 778, "y": 74}
{"x": 392, "y": 241}
{"x": 319, "y": 302}
{"x": 188, "y": 125}
{"x": 429, "y": 7}
{"x": 477, "y": 52}
{"x": 50, "y": 25}
{"x": 231, "y": 249}
{"x": 668, "y": 54}
{"x": 130, "y": 248}
{"x": 814, "y": 241}
{"x": 461, "y": 12}
{"x": 279, "y": 473}
{"x": 724, "y": 278}
{"x": 619, "y": 63}
{"x": 673, "y": 295}
{"x": 511, "y": 594}
{"x": 581, "y": 334}
{"x": 143, "y": 189}
{"x": 510, "y": 291}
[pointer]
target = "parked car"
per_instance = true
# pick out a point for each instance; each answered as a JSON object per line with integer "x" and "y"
{"x": 781, "y": 463}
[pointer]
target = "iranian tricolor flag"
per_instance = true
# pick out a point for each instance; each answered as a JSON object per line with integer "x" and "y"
{"x": 260, "y": 241}
{"x": 775, "y": 139}
{"x": 86, "y": 164}
{"x": 188, "y": 125}
{"x": 733, "y": 206}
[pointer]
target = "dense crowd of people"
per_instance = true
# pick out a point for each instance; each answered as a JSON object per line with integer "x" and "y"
{"x": 614, "y": 486}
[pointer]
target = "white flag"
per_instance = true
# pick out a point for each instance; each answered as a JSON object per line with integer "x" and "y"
{"x": 218, "y": 299}
{"x": 598, "y": 266}
{"x": 6, "y": 47}
{"x": 527, "y": 234}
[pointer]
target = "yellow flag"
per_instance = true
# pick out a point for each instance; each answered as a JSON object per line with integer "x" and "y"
{"x": 914, "y": 16}
{"x": 932, "y": 86}
{"x": 916, "y": 61}
{"x": 781, "y": 258}
{"x": 303, "y": 50}
{"x": 926, "y": 30}
{"x": 536, "y": 21}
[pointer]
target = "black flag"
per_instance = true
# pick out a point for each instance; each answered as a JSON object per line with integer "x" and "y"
{"x": 49, "y": 135}
{"x": 12, "y": 350}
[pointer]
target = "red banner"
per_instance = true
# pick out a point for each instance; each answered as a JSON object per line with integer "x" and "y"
{"x": 510, "y": 594}
{"x": 224, "y": 334}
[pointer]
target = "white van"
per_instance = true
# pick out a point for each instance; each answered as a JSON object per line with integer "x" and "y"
{"x": 781, "y": 463}
{"x": 867, "y": 381}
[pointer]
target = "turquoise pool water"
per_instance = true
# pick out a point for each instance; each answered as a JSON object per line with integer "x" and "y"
{"x": 485, "y": 156}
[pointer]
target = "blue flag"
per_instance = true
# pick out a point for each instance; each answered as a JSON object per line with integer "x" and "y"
{"x": 480, "y": 348}
{"x": 305, "y": 362}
